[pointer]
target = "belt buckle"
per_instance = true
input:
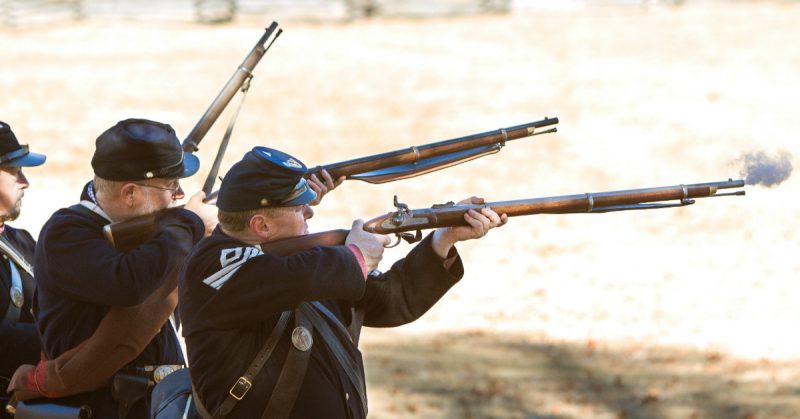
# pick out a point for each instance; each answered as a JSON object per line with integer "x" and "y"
{"x": 241, "y": 388}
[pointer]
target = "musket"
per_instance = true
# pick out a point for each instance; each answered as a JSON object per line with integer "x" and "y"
{"x": 404, "y": 220}
{"x": 418, "y": 160}
{"x": 378, "y": 168}
{"x": 126, "y": 235}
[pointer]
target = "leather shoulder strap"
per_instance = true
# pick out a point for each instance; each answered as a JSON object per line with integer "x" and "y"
{"x": 354, "y": 328}
{"x": 9, "y": 250}
{"x": 245, "y": 382}
{"x": 16, "y": 290}
{"x": 16, "y": 296}
{"x": 199, "y": 406}
{"x": 347, "y": 363}
{"x": 293, "y": 373}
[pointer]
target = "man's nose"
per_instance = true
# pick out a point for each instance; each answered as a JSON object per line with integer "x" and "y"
{"x": 22, "y": 180}
{"x": 178, "y": 194}
{"x": 307, "y": 211}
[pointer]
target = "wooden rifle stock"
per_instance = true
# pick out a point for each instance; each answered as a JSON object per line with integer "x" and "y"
{"x": 290, "y": 246}
{"x": 126, "y": 235}
{"x": 419, "y": 160}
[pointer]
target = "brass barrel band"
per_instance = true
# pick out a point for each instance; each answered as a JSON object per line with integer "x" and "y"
{"x": 590, "y": 202}
{"x": 246, "y": 70}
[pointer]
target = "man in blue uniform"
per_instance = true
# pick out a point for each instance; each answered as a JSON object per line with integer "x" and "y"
{"x": 236, "y": 300}
{"x": 81, "y": 276}
{"x": 19, "y": 339}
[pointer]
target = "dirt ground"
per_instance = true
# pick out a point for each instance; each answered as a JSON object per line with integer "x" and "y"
{"x": 677, "y": 313}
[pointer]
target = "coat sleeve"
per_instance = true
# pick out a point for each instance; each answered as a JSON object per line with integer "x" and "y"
{"x": 81, "y": 264}
{"x": 263, "y": 285}
{"x": 409, "y": 289}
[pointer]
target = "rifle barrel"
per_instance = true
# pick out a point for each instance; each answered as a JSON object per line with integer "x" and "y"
{"x": 414, "y": 154}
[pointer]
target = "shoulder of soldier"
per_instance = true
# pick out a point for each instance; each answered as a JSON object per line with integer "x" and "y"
{"x": 206, "y": 253}
{"x": 67, "y": 221}
{"x": 217, "y": 255}
{"x": 19, "y": 237}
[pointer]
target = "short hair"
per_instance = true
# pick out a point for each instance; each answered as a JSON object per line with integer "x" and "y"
{"x": 107, "y": 187}
{"x": 236, "y": 221}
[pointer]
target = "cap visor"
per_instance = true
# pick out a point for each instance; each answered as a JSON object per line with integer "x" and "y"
{"x": 191, "y": 164}
{"x": 28, "y": 160}
{"x": 307, "y": 196}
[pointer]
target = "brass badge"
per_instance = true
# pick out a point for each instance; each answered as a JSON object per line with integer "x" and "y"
{"x": 301, "y": 338}
{"x": 292, "y": 163}
{"x": 162, "y": 372}
{"x": 17, "y": 297}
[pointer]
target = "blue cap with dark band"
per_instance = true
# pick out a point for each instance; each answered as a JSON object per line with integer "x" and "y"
{"x": 265, "y": 177}
{"x": 12, "y": 154}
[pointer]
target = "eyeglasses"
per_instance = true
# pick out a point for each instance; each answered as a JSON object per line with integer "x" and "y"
{"x": 173, "y": 188}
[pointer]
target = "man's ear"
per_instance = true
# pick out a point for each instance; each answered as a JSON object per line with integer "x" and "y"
{"x": 126, "y": 193}
{"x": 260, "y": 226}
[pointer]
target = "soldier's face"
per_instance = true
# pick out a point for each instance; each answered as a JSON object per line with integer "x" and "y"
{"x": 12, "y": 187}
{"x": 157, "y": 194}
{"x": 289, "y": 222}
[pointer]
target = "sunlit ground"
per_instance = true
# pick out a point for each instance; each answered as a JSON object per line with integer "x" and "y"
{"x": 671, "y": 312}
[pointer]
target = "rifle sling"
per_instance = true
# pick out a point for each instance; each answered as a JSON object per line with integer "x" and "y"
{"x": 335, "y": 345}
{"x": 208, "y": 185}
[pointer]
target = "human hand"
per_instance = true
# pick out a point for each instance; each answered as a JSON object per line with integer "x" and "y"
{"x": 478, "y": 224}
{"x": 322, "y": 187}
{"x": 371, "y": 245}
{"x": 206, "y": 212}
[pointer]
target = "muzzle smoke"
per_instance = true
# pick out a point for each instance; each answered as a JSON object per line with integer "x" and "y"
{"x": 760, "y": 169}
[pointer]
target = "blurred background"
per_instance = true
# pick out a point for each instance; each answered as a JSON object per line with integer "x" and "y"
{"x": 688, "y": 312}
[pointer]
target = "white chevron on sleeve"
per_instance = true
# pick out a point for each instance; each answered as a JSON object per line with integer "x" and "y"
{"x": 231, "y": 260}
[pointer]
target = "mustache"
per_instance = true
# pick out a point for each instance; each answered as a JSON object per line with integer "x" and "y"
{"x": 757, "y": 168}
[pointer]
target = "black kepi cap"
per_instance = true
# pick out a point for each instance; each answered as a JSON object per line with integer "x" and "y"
{"x": 265, "y": 177}
{"x": 12, "y": 154}
{"x": 139, "y": 149}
